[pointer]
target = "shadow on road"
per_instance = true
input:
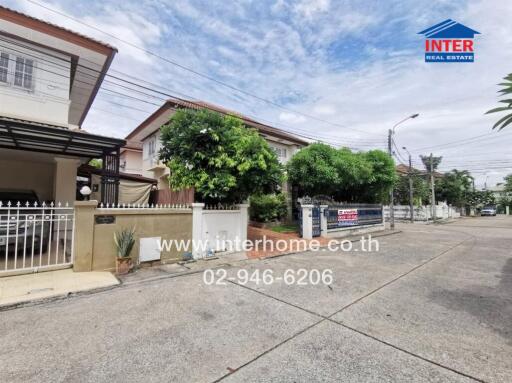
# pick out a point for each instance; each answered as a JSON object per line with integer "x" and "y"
{"x": 491, "y": 306}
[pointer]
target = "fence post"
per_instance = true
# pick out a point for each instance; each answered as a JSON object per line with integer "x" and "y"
{"x": 84, "y": 235}
{"x": 323, "y": 220}
{"x": 244, "y": 221}
{"x": 197, "y": 229}
{"x": 507, "y": 210}
{"x": 307, "y": 221}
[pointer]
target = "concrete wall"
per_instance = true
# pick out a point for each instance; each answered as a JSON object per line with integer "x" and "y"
{"x": 94, "y": 247}
{"x": 37, "y": 176}
{"x": 49, "y": 99}
{"x": 422, "y": 213}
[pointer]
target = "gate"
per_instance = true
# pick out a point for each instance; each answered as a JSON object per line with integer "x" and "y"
{"x": 35, "y": 237}
{"x": 316, "y": 220}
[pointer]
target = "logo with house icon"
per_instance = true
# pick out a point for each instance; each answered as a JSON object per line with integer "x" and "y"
{"x": 449, "y": 42}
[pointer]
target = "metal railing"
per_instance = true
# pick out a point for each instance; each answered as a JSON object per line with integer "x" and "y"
{"x": 35, "y": 236}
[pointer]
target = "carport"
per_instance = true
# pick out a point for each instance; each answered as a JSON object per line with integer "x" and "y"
{"x": 37, "y": 232}
{"x": 31, "y": 149}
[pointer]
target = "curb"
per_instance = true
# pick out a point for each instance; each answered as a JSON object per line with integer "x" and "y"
{"x": 62, "y": 297}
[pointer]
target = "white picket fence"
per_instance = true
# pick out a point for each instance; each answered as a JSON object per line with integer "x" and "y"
{"x": 35, "y": 236}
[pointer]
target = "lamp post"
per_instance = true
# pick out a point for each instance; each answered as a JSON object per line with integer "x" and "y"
{"x": 391, "y": 132}
{"x": 411, "y": 197}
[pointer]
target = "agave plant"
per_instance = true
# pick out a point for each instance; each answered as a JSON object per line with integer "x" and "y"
{"x": 124, "y": 240}
{"x": 507, "y": 90}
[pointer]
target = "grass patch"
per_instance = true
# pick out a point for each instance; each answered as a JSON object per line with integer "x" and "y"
{"x": 285, "y": 228}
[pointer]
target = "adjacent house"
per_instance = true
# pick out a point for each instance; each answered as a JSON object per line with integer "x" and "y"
{"x": 49, "y": 77}
{"x": 147, "y": 137}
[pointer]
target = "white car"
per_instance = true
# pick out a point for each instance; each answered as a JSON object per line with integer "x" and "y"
{"x": 488, "y": 210}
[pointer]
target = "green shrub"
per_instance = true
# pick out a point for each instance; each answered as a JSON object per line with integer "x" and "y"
{"x": 268, "y": 207}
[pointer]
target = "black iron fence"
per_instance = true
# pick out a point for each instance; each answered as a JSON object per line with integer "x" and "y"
{"x": 349, "y": 215}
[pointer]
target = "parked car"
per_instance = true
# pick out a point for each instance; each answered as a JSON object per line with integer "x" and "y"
{"x": 25, "y": 225}
{"x": 488, "y": 210}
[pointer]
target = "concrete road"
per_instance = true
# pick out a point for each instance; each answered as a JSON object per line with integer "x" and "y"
{"x": 433, "y": 305}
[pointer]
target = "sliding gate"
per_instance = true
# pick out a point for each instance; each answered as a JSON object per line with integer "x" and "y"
{"x": 35, "y": 237}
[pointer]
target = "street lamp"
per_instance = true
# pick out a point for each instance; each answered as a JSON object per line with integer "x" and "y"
{"x": 391, "y": 132}
{"x": 411, "y": 202}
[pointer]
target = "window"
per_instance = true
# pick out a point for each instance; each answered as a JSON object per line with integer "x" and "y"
{"x": 280, "y": 152}
{"x": 4, "y": 66}
{"x": 17, "y": 71}
{"x": 23, "y": 72}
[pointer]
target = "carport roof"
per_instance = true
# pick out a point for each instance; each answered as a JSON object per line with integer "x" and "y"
{"x": 40, "y": 137}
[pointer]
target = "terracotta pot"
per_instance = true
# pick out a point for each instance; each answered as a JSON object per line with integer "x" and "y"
{"x": 123, "y": 265}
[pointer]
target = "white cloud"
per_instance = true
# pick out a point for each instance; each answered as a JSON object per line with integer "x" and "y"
{"x": 291, "y": 118}
{"x": 311, "y": 8}
{"x": 324, "y": 109}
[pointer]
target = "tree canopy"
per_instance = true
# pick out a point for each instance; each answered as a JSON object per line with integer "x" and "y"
{"x": 436, "y": 161}
{"x": 341, "y": 173}
{"x": 508, "y": 183}
{"x": 506, "y": 91}
{"x": 219, "y": 156}
{"x": 421, "y": 190}
{"x": 455, "y": 187}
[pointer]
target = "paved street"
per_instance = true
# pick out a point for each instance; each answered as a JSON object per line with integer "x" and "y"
{"x": 433, "y": 305}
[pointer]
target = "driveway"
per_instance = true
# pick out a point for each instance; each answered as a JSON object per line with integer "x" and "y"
{"x": 433, "y": 305}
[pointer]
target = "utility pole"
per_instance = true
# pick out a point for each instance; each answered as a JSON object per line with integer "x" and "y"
{"x": 391, "y": 192}
{"x": 390, "y": 151}
{"x": 411, "y": 195}
{"x": 433, "y": 188}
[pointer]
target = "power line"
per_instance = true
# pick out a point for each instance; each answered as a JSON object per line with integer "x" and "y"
{"x": 293, "y": 130}
{"x": 205, "y": 76}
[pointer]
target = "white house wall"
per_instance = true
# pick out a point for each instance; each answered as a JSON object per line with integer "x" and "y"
{"x": 49, "y": 100}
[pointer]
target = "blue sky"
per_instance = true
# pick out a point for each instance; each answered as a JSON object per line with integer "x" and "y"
{"x": 356, "y": 64}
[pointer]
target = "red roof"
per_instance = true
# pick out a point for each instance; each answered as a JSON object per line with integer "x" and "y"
{"x": 30, "y": 21}
{"x": 181, "y": 103}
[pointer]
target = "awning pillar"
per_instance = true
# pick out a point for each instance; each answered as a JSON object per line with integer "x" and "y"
{"x": 110, "y": 177}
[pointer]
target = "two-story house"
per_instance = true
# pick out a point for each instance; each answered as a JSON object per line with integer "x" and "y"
{"x": 49, "y": 77}
{"x": 147, "y": 136}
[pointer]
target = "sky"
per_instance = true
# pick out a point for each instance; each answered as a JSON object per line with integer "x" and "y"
{"x": 340, "y": 71}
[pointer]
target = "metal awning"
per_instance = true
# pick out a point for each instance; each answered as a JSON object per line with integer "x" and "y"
{"x": 45, "y": 138}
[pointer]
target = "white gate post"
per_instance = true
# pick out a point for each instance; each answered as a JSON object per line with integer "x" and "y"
{"x": 507, "y": 210}
{"x": 307, "y": 221}
{"x": 244, "y": 221}
{"x": 197, "y": 229}
{"x": 323, "y": 220}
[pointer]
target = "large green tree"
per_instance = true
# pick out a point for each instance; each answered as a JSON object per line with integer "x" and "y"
{"x": 480, "y": 198}
{"x": 508, "y": 183}
{"x": 219, "y": 156}
{"x": 421, "y": 191}
{"x": 313, "y": 170}
{"x": 341, "y": 173}
{"x": 383, "y": 176}
{"x": 436, "y": 161}
{"x": 507, "y": 92}
{"x": 454, "y": 187}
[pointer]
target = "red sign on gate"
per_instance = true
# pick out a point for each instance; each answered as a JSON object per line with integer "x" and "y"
{"x": 347, "y": 217}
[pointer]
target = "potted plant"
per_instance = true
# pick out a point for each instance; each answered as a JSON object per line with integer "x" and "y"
{"x": 124, "y": 241}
